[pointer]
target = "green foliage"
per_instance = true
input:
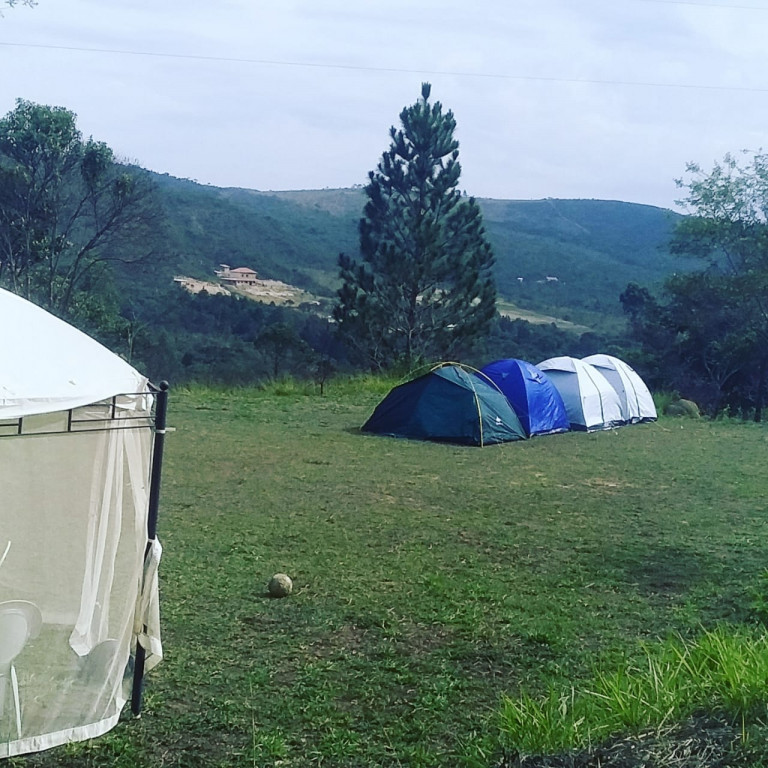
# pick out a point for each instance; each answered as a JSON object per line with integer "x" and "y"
{"x": 293, "y": 236}
{"x": 279, "y": 238}
{"x": 116, "y": 288}
{"x": 709, "y": 332}
{"x": 722, "y": 670}
{"x": 424, "y": 285}
{"x": 282, "y": 346}
{"x": 67, "y": 210}
{"x": 593, "y": 247}
{"x": 535, "y": 342}
{"x": 759, "y": 599}
{"x": 226, "y": 340}
{"x": 662, "y": 398}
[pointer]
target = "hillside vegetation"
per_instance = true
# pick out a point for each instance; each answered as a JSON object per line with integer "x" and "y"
{"x": 589, "y": 249}
{"x": 593, "y": 247}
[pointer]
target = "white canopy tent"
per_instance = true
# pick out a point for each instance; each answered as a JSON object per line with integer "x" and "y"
{"x": 79, "y": 615}
{"x": 591, "y": 402}
{"x": 634, "y": 396}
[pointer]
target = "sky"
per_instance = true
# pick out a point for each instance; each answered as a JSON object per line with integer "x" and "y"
{"x": 596, "y": 99}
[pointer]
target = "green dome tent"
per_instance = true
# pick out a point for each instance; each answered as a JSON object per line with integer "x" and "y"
{"x": 447, "y": 404}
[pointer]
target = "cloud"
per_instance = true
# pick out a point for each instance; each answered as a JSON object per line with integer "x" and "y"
{"x": 551, "y": 98}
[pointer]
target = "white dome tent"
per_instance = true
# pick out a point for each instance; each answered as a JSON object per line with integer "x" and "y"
{"x": 81, "y": 439}
{"x": 590, "y": 401}
{"x": 634, "y": 396}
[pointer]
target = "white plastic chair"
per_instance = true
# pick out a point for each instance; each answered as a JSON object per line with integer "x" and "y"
{"x": 20, "y": 621}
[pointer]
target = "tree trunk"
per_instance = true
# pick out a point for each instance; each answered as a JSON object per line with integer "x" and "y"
{"x": 760, "y": 392}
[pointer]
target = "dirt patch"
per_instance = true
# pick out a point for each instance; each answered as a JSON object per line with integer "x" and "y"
{"x": 703, "y": 742}
{"x": 516, "y": 313}
{"x": 265, "y": 291}
{"x": 196, "y": 286}
{"x": 606, "y": 484}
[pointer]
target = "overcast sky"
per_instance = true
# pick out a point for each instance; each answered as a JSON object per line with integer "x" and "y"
{"x": 605, "y": 99}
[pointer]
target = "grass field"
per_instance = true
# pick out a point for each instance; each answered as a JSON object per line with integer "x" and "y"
{"x": 430, "y": 581}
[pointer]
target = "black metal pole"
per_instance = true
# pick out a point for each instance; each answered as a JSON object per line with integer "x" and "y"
{"x": 161, "y": 412}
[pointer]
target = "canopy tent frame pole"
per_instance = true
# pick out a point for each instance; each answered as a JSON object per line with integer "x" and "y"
{"x": 161, "y": 411}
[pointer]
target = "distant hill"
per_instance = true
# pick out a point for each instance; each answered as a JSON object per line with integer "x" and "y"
{"x": 592, "y": 247}
{"x": 209, "y": 226}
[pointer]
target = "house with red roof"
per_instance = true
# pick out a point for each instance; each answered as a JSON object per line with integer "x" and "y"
{"x": 239, "y": 277}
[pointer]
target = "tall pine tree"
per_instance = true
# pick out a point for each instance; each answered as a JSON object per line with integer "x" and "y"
{"x": 423, "y": 288}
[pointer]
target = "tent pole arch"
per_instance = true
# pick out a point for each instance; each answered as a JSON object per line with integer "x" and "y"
{"x": 161, "y": 414}
{"x": 478, "y": 407}
{"x": 479, "y": 412}
{"x": 600, "y": 397}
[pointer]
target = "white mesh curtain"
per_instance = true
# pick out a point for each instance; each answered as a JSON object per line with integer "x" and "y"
{"x": 73, "y": 516}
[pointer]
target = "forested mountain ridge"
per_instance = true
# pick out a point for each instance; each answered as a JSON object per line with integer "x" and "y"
{"x": 208, "y": 226}
{"x": 593, "y": 247}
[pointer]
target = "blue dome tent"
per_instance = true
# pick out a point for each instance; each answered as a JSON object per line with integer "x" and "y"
{"x": 447, "y": 404}
{"x": 533, "y": 396}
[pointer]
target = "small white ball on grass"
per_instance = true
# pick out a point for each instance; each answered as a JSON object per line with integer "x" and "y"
{"x": 280, "y": 585}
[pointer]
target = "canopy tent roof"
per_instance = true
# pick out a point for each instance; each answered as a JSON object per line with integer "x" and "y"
{"x": 47, "y": 365}
{"x": 534, "y": 398}
{"x": 447, "y": 404}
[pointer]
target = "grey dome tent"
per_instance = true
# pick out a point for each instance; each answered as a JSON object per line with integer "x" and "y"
{"x": 591, "y": 402}
{"x": 635, "y": 398}
{"x": 447, "y": 404}
{"x": 80, "y": 456}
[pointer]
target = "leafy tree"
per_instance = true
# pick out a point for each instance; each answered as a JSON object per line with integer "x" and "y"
{"x": 699, "y": 338}
{"x": 282, "y": 346}
{"x": 67, "y": 208}
{"x": 423, "y": 287}
{"x": 729, "y": 229}
{"x": 656, "y": 356}
{"x": 712, "y": 328}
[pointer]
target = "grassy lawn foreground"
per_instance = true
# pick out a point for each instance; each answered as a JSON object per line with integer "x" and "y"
{"x": 429, "y": 580}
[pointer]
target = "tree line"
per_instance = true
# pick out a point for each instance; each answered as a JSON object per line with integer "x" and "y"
{"x": 706, "y": 333}
{"x": 75, "y": 223}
